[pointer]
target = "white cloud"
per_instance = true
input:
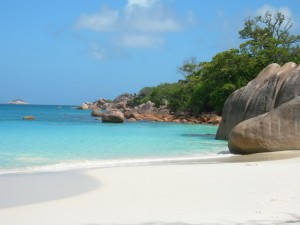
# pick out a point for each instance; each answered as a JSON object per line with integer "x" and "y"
{"x": 159, "y": 25}
{"x": 140, "y": 24}
{"x": 137, "y": 16}
{"x": 141, "y": 3}
{"x": 104, "y": 20}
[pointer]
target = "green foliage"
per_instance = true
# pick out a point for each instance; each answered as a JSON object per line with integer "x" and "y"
{"x": 177, "y": 94}
{"x": 219, "y": 95}
{"x": 190, "y": 69}
{"x": 228, "y": 71}
{"x": 199, "y": 101}
{"x": 208, "y": 84}
{"x": 268, "y": 39}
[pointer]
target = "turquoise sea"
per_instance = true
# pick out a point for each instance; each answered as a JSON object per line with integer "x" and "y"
{"x": 63, "y": 138}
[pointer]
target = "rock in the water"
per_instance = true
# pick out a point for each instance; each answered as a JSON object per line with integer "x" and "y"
{"x": 113, "y": 116}
{"x": 131, "y": 120}
{"x": 273, "y": 86}
{"x": 18, "y": 102}
{"x": 29, "y": 118}
{"x": 84, "y": 106}
{"x": 274, "y": 131}
{"x": 129, "y": 114}
{"x": 96, "y": 113}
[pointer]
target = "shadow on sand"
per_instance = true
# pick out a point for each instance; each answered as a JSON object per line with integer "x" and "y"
{"x": 24, "y": 189}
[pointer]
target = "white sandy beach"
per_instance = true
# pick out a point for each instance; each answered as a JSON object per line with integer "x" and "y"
{"x": 257, "y": 192}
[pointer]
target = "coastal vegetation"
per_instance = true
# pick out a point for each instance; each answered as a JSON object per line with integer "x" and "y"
{"x": 206, "y": 85}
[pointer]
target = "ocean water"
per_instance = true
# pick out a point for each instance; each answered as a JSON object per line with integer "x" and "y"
{"x": 63, "y": 138}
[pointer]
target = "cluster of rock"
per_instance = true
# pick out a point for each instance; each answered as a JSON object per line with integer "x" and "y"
{"x": 132, "y": 116}
{"x": 264, "y": 116}
{"x": 118, "y": 103}
{"x": 119, "y": 110}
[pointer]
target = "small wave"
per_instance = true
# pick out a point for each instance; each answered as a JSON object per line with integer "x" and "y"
{"x": 89, "y": 164}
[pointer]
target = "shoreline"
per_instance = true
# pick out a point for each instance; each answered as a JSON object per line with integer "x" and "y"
{"x": 239, "y": 192}
{"x": 164, "y": 161}
{"x": 112, "y": 163}
{"x": 120, "y": 163}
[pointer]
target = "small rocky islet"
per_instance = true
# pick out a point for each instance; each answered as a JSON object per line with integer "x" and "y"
{"x": 18, "y": 102}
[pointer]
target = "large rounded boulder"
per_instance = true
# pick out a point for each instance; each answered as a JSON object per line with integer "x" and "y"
{"x": 96, "y": 113}
{"x": 272, "y": 87}
{"x": 113, "y": 116}
{"x": 274, "y": 131}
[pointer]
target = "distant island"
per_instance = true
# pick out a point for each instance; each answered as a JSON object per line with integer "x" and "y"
{"x": 18, "y": 102}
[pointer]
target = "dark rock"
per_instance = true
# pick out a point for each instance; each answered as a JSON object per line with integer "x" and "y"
{"x": 129, "y": 114}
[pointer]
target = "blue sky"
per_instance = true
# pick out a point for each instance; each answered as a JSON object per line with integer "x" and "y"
{"x": 72, "y": 51}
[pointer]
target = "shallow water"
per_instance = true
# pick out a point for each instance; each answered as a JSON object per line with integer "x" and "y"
{"x": 62, "y": 138}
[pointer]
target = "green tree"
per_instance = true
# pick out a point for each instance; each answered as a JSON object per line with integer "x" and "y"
{"x": 228, "y": 71}
{"x": 177, "y": 94}
{"x": 269, "y": 40}
{"x": 191, "y": 69}
{"x": 188, "y": 67}
{"x": 207, "y": 85}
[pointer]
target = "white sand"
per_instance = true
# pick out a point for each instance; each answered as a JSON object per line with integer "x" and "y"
{"x": 266, "y": 192}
